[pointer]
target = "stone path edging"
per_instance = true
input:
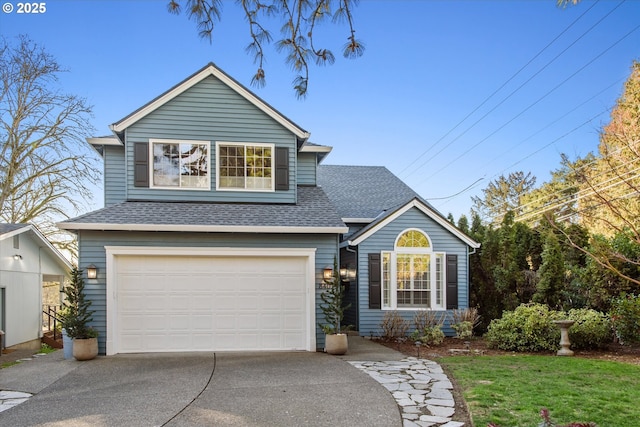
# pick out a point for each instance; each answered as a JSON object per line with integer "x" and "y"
{"x": 419, "y": 386}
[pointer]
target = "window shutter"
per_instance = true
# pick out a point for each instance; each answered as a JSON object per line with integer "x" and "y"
{"x": 375, "y": 281}
{"x": 141, "y": 164}
{"x": 452, "y": 281}
{"x": 282, "y": 168}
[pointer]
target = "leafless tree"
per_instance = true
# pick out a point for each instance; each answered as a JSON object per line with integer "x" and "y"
{"x": 46, "y": 168}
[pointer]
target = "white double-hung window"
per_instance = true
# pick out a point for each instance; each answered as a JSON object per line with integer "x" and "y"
{"x": 413, "y": 275}
{"x": 245, "y": 166}
{"x": 180, "y": 164}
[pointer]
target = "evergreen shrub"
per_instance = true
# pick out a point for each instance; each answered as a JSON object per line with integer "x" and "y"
{"x": 529, "y": 327}
{"x": 592, "y": 329}
{"x": 625, "y": 315}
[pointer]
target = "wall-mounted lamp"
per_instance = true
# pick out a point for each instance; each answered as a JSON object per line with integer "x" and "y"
{"x": 347, "y": 273}
{"x": 92, "y": 271}
{"x": 327, "y": 273}
{"x": 17, "y": 257}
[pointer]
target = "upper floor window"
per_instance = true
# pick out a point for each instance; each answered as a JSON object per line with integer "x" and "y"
{"x": 180, "y": 164}
{"x": 245, "y": 166}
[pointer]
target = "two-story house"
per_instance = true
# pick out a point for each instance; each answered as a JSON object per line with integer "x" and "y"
{"x": 219, "y": 225}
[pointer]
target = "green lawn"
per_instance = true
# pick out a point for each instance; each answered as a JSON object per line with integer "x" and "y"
{"x": 511, "y": 390}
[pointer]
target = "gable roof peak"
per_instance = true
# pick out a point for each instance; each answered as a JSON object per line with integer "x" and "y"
{"x": 391, "y": 214}
{"x": 210, "y": 70}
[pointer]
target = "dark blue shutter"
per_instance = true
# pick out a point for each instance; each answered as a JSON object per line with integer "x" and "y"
{"x": 282, "y": 168}
{"x": 452, "y": 282}
{"x": 375, "y": 282}
{"x": 141, "y": 164}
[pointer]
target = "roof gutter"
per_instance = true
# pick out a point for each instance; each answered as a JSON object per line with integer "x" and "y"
{"x": 201, "y": 228}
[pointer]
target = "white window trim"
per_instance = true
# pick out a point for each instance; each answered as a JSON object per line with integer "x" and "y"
{"x": 245, "y": 144}
{"x": 405, "y": 249}
{"x": 178, "y": 141}
{"x": 393, "y": 270}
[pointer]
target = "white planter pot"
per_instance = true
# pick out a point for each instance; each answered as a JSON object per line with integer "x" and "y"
{"x": 85, "y": 349}
{"x": 336, "y": 344}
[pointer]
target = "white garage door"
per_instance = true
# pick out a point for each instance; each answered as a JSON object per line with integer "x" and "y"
{"x": 210, "y": 303}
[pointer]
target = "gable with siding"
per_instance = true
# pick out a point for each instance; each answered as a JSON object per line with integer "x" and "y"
{"x": 208, "y": 111}
{"x": 383, "y": 239}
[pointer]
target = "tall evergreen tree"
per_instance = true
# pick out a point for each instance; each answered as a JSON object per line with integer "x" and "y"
{"x": 552, "y": 274}
{"x": 503, "y": 195}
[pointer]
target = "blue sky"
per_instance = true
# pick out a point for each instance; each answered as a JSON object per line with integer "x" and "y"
{"x": 449, "y": 94}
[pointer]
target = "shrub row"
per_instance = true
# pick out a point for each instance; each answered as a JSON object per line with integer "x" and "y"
{"x": 530, "y": 327}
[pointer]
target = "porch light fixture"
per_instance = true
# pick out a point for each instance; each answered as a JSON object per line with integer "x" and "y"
{"x": 92, "y": 271}
{"x": 327, "y": 273}
{"x": 17, "y": 257}
{"x": 347, "y": 273}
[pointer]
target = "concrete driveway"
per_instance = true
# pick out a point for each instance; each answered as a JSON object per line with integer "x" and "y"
{"x": 203, "y": 389}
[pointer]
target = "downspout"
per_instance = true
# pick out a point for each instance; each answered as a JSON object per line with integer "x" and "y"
{"x": 469, "y": 253}
{"x": 40, "y": 291}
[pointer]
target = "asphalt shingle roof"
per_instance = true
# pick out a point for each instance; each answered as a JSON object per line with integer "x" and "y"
{"x": 363, "y": 191}
{"x": 312, "y": 210}
{"x": 8, "y": 228}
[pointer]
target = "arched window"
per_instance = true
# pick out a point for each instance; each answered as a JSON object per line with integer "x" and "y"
{"x": 413, "y": 238}
{"x": 413, "y": 274}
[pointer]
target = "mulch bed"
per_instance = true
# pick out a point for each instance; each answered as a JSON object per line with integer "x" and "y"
{"x": 477, "y": 346}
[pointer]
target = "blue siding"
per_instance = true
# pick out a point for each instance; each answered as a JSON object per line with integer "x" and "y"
{"x": 115, "y": 190}
{"x": 383, "y": 240}
{"x": 211, "y": 111}
{"x": 307, "y": 165}
{"x": 92, "y": 251}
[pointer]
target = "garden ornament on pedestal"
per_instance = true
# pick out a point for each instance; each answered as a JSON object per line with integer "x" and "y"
{"x": 564, "y": 326}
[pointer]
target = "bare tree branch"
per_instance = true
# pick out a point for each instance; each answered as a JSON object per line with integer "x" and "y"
{"x": 298, "y": 19}
{"x": 46, "y": 168}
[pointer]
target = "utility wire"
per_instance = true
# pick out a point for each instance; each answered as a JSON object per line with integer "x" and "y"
{"x": 513, "y": 147}
{"x": 552, "y": 142}
{"x": 595, "y": 177}
{"x": 622, "y": 178}
{"x": 534, "y": 103}
{"x": 497, "y": 90}
{"x": 473, "y": 184}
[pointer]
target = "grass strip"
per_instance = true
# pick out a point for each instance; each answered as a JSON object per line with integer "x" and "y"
{"x": 511, "y": 390}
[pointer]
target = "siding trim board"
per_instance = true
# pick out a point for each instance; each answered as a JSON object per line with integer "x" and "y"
{"x": 200, "y": 228}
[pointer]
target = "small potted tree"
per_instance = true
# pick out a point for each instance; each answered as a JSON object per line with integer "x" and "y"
{"x": 333, "y": 309}
{"x": 76, "y": 318}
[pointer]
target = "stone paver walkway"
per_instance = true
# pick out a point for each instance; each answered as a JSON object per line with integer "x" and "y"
{"x": 421, "y": 388}
{"x": 9, "y": 399}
